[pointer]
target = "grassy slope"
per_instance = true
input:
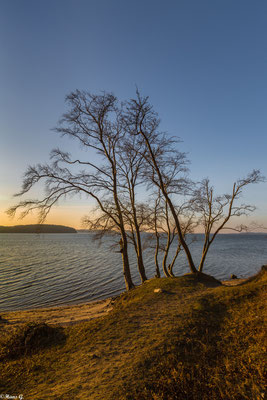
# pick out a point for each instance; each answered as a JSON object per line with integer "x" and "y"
{"x": 191, "y": 342}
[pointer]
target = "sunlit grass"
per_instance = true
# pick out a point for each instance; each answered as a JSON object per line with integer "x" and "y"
{"x": 193, "y": 341}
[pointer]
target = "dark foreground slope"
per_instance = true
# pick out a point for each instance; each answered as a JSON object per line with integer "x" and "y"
{"x": 194, "y": 340}
{"x": 37, "y": 228}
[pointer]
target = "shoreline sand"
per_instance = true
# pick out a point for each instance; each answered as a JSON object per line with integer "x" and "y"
{"x": 69, "y": 314}
{"x": 58, "y": 315}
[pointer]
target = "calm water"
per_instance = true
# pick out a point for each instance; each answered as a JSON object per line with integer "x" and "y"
{"x": 53, "y": 269}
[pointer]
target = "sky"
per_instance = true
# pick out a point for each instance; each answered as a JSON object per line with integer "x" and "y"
{"x": 203, "y": 65}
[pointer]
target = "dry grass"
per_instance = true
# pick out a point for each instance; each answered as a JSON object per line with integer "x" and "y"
{"x": 196, "y": 340}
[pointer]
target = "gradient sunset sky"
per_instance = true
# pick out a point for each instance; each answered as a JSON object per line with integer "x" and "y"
{"x": 202, "y": 62}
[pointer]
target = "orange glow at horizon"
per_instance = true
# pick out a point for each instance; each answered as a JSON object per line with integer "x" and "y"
{"x": 67, "y": 215}
{"x": 72, "y": 216}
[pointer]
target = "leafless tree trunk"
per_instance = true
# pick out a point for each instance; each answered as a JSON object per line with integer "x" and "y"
{"x": 130, "y": 166}
{"x": 131, "y": 151}
{"x": 215, "y": 211}
{"x": 141, "y": 120}
{"x": 155, "y": 226}
{"x": 171, "y": 265}
{"x": 134, "y": 221}
{"x": 93, "y": 120}
{"x": 188, "y": 226}
{"x": 170, "y": 236}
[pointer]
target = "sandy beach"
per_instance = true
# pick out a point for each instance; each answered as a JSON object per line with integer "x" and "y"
{"x": 234, "y": 282}
{"x": 60, "y": 315}
{"x": 69, "y": 314}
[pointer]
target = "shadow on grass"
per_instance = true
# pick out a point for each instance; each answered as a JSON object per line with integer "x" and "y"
{"x": 181, "y": 368}
{"x": 31, "y": 338}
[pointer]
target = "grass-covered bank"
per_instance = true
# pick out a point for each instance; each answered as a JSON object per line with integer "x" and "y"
{"x": 195, "y": 340}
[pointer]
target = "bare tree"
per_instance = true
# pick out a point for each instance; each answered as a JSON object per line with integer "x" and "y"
{"x": 169, "y": 233}
{"x": 130, "y": 166}
{"x": 94, "y": 121}
{"x": 188, "y": 225}
{"x": 153, "y": 229}
{"x": 166, "y": 165}
{"x": 102, "y": 224}
{"x": 215, "y": 211}
{"x": 161, "y": 228}
{"x": 131, "y": 151}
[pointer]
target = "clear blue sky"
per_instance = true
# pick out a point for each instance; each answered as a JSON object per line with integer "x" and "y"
{"x": 203, "y": 64}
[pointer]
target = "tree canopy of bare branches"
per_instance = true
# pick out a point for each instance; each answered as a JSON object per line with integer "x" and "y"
{"x": 166, "y": 165}
{"x": 132, "y": 153}
{"x": 94, "y": 121}
{"x": 215, "y": 211}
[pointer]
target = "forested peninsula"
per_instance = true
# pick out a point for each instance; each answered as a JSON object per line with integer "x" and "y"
{"x": 37, "y": 228}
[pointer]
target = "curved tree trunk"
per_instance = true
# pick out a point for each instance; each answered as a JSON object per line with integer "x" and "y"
{"x": 168, "y": 244}
{"x": 205, "y": 249}
{"x": 167, "y": 198}
{"x": 180, "y": 235}
{"x": 170, "y": 267}
{"x": 203, "y": 257}
{"x": 156, "y": 256}
{"x": 125, "y": 262}
{"x": 140, "y": 261}
{"x": 140, "y": 264}
{"x": 164, "y": 261}
{"x": 157, "y": 240}
{"x": 123, "y": 242}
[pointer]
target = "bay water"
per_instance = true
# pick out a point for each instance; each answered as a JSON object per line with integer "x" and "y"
{"x": 42, "y": 270}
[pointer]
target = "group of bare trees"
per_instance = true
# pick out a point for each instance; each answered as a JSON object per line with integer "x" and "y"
{"x": 130, "y": 159}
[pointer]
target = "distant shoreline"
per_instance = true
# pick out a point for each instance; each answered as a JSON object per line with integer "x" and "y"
{"x": 37, "y": 228}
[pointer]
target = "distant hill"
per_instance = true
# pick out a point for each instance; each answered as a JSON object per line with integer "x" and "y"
{"x": 37, "y": 229}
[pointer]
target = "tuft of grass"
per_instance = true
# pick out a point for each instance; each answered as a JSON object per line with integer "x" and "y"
{"x": 195, "y": 340}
